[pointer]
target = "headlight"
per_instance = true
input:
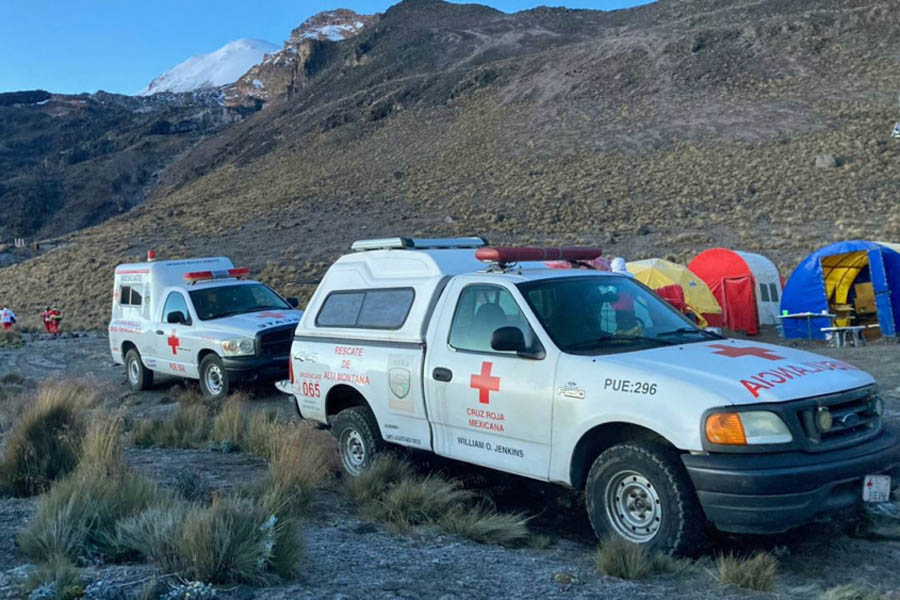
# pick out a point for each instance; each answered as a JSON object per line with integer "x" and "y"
{"x": 239, "y": 346}
{"x": 743, "y": 428}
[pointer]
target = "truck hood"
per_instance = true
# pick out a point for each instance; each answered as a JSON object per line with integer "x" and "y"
{"x": 745, "y": 372}
{"x": 249, "y": 324}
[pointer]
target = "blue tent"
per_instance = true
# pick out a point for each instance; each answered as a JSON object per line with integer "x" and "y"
{"x": 828, "y": 274}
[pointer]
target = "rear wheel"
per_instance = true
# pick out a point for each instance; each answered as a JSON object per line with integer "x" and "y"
{"x": 214, "y": 381}
{"x": 359, "y": 439}
{"x": 139, "y": 377}
{"x": 641, "y": 493}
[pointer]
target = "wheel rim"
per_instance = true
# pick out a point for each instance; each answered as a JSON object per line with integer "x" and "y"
{"x": 214, "y": 380}
{"x": 633, "y": 506}
{"x": 133, "y": 371}
{"x": 353, "y": 451}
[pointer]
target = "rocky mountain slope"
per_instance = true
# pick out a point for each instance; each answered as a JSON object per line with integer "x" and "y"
{"x": 654, "y": 131}
{"x": 69, "y": 162}
{"x": 206, "y": 71}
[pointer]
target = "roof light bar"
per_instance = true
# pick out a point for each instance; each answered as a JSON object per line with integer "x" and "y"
{"x": 195, "y": 276}
{"x": 402, "y": 243}
{"x": 506, "y": 255}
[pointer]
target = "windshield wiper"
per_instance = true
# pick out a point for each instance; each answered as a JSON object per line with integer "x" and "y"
{"x": 617, "y": 338}
{"x": 689, "y": 330}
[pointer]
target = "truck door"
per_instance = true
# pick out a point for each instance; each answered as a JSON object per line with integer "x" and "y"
{"x": 175, "y": 337}
{"x": 487, "y": 407}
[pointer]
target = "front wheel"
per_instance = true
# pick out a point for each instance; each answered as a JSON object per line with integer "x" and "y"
{"x": 139, "y": 376}
{"x": 358, "y": 437}
{"x": 642, "y": 493}
{"x": 214, "y": 382}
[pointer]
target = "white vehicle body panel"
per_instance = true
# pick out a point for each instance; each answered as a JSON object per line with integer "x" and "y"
{"x": 523, "y": 415}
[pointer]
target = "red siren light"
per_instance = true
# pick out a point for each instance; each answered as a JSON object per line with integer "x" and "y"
{"x": 506, "y": 255}
{"x": 238, "y": 272}
{"x": 151, "y": 255}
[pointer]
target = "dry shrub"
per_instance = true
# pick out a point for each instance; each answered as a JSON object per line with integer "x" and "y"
{"x": 233, "y": 540}
{"x": 101, "y": 447}
{"x": 620, "y": 558}
{"x": 57, "y": 578}
{"x": 44, "y": 445}
{"x": 756, "y": 573}
{"x": 853, "y": 591}
{"x": 301, "y": 458}
{"x": 386, "y": 471}
{"x": 485, "y": 525}
{"x": 390, "y": 491}
{"x": 188, "y": 429}
{"x": 262, "y": 428}
{"x": 230, "y": 424}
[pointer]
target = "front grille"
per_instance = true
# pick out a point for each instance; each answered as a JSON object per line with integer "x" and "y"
{"x": 276, "y": 342}
{"x": 853, "y": 418}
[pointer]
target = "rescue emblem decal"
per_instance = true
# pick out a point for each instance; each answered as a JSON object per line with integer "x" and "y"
{"x": 485, "y": 383}
{"x": 173, "y": 342}
{"x": 739, "y": 351}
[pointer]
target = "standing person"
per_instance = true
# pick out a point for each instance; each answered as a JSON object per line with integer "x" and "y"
{"x": 46, "y": 320}
{"x": 7, "y": 318}
{"x": 55, "y": 321}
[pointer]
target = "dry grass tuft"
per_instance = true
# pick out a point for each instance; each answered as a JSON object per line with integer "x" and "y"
{"x": 262, "y": 428}
{"x": 229, "y": 426}
{"x": 391, "y": 492}
{"x": 57, "y": 579}
{"x": 188, "y": 429}
{"x": 853, "y": 591}
{"x": 756, "y": 573}
{"x": 301, "y": 458}
{"x": 45, "y": 443}
{"x": 620, "y": 558}
{"x": 101, "y": 447}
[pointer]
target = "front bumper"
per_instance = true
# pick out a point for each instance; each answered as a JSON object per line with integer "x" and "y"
{"x": 256, "y": 367}
{"x": 771, "y": 493}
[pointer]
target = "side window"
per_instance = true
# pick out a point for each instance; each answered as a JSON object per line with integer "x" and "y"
{"x": 481, "y": 310}
{"x": 764, "y": 292}
{"x": 773, "y": 292}
{"x": 369, "y": 309}
{"x": 129, "y": 296}
{"x": 176, "y": 303}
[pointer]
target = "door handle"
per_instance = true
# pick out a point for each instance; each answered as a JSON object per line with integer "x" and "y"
{"x": 442, "y": 374}
{"x": 160, "y": 332}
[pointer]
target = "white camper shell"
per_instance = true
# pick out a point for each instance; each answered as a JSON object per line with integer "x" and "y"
{"x": 583, "y": 378}
{"x": 199, "y": 319}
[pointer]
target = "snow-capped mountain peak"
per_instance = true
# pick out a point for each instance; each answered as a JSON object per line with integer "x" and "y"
{"x": 203, "y": 71}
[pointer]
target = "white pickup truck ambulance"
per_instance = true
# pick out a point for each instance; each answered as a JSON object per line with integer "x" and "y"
{"x": 587, "y": 379}
{"x": 198, "y": 318}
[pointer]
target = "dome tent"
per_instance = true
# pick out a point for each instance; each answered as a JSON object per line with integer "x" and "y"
{"x": 657, "y": 273}
{"x": 829, "y": 274}
{"x": 747, "y": 286}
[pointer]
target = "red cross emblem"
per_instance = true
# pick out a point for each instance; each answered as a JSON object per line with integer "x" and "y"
{"x": 484, "y": 383}
{"x": 173, "y": 342}
{"x": 739, "y": 351}
{"x": 273, "y": 315}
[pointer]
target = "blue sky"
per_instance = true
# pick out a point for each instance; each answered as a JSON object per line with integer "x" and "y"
{"x": 72, "y": 46}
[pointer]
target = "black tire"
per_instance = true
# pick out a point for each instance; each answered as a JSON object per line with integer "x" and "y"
{"x": 642, "y": 493}
{"x": 359, "y": 439}
{"x": 214, "y": 381}
{"x": 138, "y": 376}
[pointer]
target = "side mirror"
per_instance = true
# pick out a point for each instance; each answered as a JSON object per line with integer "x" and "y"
{"x": 177, "y": 317}
{"x": 511, "y": 339}
{"x": 293, "y": 302}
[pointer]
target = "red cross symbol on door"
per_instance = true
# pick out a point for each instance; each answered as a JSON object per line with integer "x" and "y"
{"x": 173, "y": 342}
{"x": 484, "y": 383}
{"x": 273, "y": 315}
{"x": 739, "y": 351}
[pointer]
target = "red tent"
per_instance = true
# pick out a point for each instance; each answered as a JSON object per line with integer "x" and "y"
{"x": 747, "y": 286}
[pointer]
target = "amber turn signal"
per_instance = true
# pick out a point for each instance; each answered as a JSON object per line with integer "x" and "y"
{"x": 725, "y": 428}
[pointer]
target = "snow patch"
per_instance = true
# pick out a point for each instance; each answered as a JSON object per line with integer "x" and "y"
{"x": 258, "y": 84}
{"x": 202, "y": 71}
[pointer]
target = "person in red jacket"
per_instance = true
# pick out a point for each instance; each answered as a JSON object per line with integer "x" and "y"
{"x": 51, "y": 318}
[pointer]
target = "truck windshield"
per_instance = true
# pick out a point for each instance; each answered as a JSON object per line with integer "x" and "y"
{"x": 605, "y": 315}
{"x": 227, "y": 300}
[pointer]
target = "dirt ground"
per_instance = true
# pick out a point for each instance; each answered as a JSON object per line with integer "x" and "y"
{"x": 347, "y": 557}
